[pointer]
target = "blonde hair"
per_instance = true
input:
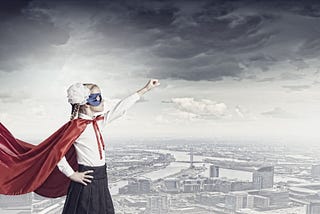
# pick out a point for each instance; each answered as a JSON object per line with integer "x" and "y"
{"x": 76, "y": 108}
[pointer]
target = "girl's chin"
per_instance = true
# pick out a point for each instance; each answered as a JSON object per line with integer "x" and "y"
{"x": 99, "y": 110}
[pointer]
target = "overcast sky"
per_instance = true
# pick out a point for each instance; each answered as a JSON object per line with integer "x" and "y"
{"x": 228, "y": 69}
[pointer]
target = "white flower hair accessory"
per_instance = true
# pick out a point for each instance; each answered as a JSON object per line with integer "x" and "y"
{"x": 78, "y": 94}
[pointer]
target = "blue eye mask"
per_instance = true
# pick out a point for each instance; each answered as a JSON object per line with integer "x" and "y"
{"x": 94, "y": 99}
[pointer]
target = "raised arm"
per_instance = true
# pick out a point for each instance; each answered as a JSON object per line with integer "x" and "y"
{"x": 150, "y": 85}
{"x": 122, "y": 106}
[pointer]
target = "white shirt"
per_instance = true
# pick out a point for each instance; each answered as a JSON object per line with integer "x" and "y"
{"x": 86, "y": 145}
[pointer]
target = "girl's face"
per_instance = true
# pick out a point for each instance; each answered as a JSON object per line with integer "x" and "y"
{"x": 100, "y": 107}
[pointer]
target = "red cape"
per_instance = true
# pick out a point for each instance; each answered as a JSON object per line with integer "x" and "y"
{"x": 28, "y": 168}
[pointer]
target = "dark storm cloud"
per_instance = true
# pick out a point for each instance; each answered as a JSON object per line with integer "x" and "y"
{"x": 25, "y": 34}
{"x": 196, "y": 68}
{"x": 268, "y": 79}
{"x": 209, "y": 40}
{"x": 299, "y": 64}
{"x": 261, "y": 61}
{"x": 190, "y": 40}
{"x": 309, "y": 8}
{"x": 9, "y": 8}
{"x": 311, "y": 47}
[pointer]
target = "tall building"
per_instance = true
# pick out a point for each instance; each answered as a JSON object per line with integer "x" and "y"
{"x": 144, "y": 185}
{"x": 277, "y": 198}
{"x": 250, "y": 201}
{"x": 236, "y": 200}
{"x": 210, "y": 199}
{"x": 263, "y": 177}
{"x": 172, "y": 185}
{"x": 315, "y": 171}
{"x": 136, "y": 186}
{"x": 313, "y": 208}
{"x": 261, "y": 201}
{"x": 192, "y": 186}
{"x": 191, "y": 158}
{"x": 214, "y": 171}
{"x": 269, "y": 198}
{"x": 158, "y": 204}
{"x": 133, "y": 187}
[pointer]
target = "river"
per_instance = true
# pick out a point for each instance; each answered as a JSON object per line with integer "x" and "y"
{"x": 176, "y": 167}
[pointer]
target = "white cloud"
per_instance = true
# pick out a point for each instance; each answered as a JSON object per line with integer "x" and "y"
{"x": 203, "y": 108}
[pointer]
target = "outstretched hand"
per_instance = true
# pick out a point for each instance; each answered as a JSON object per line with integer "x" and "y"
{"x": 150, "y": 85}
{"x": 82, "y": 177}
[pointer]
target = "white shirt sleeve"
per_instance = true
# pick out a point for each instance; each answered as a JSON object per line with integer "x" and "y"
{"x": 65, "y": 167}
{"x": 121, "y": 108}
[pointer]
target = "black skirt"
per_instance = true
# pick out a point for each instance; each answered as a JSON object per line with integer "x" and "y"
{"x": 94, "y": 198}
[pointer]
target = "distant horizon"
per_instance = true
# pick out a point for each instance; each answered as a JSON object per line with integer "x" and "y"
{"x": 176, "y": 140}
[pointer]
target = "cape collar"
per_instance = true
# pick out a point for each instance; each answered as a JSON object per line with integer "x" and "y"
{"x": 87, "y": 117}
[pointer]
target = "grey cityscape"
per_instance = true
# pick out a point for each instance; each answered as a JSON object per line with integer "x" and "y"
{"x": 232, "y": 129}
{"x": 201, "y": 176}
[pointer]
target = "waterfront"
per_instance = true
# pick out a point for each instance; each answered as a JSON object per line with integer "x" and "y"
{"x": 176, "y": 167}
{"x": 185, "y": 156}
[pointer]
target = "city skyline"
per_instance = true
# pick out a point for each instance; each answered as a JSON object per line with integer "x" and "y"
{"x": 228, "y": 69}
{"x": 221, "y": 178}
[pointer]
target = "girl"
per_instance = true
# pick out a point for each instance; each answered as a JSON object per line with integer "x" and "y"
{"x": 79, "y": 140}
{"x": 88, "y": 191}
